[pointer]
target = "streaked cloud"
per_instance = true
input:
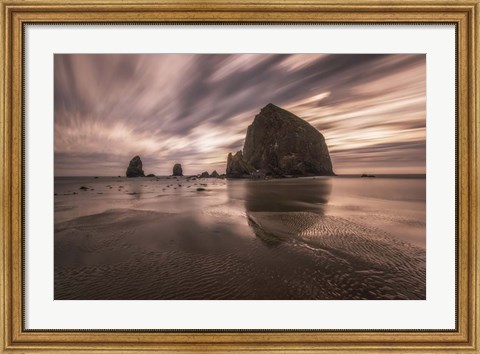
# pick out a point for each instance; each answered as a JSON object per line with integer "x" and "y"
{"x": 195, "y": 108}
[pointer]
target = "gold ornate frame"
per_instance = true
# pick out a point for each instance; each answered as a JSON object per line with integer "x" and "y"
{"x": 463, "y": 13}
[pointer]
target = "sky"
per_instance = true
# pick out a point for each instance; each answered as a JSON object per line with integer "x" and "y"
{"x": 194, "y": 109}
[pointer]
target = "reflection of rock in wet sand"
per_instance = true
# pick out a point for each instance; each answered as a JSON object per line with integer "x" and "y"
{"x": 352, "y": 260}
{"x": 283, "y": 198}
{"x": 287, "y": 195}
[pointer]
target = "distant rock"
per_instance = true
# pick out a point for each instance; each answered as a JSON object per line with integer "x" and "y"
{"x": 177, "y": 170}
{"x": 278, "y": 143}
{"x": 151, "y": 175}
{"x": 237, "y": 167}
{"x": 135, "y": 168}
{"x": 365, "y": 175}
{"x": 200, "y": 189}
{"x": 214, "y": 174}
{"x": 204, "y": 175}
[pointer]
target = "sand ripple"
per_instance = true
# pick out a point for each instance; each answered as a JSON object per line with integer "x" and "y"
{"x": 134, "y": 254}
{"x": 355, "y": 259}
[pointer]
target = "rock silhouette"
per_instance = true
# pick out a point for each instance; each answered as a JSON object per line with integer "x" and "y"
{"x": 177, "y": 170}
{"x": 204, "y": 175}
{"x": 214, "y": 174}
{"x": 135, "y": 168}
{"x": 237, "y": 167}
{"x": 278, "y": 143}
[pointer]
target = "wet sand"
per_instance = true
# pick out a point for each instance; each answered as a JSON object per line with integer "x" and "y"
{"x": 322, "y": 238}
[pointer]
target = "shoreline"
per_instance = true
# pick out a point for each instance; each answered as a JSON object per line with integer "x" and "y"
{"x": 406, "y": 175}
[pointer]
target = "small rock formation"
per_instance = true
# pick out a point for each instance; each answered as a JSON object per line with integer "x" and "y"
{"x": 214, "y": 174}
{"x": 278, "y": 143}
{"x": 177, "y": 170}
{"x": 135, "y": 168}
{"x": 204, "y": 175}
{"x": 151, "y": 175}
{"x": 237, "y": 167}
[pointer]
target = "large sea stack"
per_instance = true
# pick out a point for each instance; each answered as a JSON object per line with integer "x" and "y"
{"x": 135, "y": 168}
{"x": 278, "y": 143}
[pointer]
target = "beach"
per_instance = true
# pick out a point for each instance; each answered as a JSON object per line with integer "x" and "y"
{"x": 159, "y": 238}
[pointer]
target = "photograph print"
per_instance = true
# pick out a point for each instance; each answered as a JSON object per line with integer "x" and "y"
{"x": 239, "y": 177}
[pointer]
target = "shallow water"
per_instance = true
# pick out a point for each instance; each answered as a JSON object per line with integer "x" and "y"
{"x": 306, "y": 238}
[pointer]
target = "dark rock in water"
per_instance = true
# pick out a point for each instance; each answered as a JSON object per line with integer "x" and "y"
{"x": 135, "y": 168}
{"x": 278, "y": 143}
{"x": 177, "y": 170}
{"x": 237, "y": 167}
{"x": 151, "y": 175}
{"x": 365, "y": 175}
{"x": 95, "y": 177}
{"x": 200, "y": 189}
{"x": 204, "y": 175}
{"x": 215, "y": 174}
{"x": 83, "y": 188}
